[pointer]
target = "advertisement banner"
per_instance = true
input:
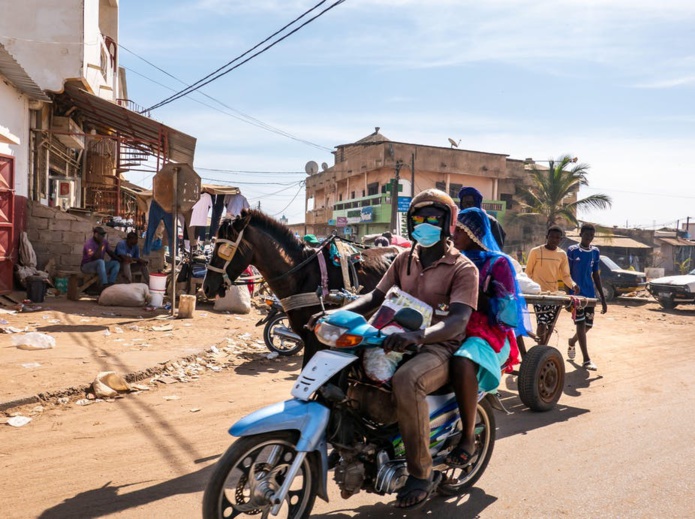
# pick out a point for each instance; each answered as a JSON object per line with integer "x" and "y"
{"x": 367, "y": 214}
{"x": 341, "y": 221}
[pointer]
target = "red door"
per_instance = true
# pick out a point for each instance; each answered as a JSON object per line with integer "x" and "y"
{"x": 6, "y": 223}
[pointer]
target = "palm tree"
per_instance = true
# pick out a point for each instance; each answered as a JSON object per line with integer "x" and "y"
{"x": 550, "y": 187}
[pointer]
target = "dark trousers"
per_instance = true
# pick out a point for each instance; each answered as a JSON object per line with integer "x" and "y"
{"x": 156, "y": 215}
{"x": 217, "y": 209}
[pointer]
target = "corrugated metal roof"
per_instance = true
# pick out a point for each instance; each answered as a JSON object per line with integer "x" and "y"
{"x": 107, "y": 116}
{"x": 622, "y": 242}
{"x": 677, "y": 242}
{"x": 16, "y": 75}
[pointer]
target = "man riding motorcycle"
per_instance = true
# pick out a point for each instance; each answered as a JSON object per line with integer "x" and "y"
{"x": 436, "y": 273}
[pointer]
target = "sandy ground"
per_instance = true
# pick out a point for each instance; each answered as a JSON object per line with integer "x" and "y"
{"x": 618, "y": 444}
{"x": 92, "y": 338}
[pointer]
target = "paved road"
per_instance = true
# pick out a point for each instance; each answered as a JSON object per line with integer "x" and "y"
{"x": 620, "y": 444}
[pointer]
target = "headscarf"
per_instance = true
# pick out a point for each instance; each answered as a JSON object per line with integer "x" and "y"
{"x": 471, "y": 191}
{"x": 475, "y": 223}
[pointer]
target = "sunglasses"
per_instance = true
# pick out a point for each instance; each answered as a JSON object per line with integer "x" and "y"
{"x": 431, "y": 219}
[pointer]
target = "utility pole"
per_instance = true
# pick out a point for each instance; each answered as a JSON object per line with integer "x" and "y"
{"x": 394, "y": 196}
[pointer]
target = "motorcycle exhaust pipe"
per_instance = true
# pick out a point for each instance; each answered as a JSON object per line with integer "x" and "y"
{"x": 286, "y": 333}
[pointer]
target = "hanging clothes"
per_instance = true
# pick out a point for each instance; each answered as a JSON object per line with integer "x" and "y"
{"x": 199, "y": 216}
{"x": 217, "y": 210}
{"x": 235, "y": 204}
{"x": 156, "y": 215}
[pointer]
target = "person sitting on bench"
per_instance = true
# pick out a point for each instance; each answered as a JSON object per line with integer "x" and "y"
{"x": 128, "y": 253}
{"x": 93, "y": 258}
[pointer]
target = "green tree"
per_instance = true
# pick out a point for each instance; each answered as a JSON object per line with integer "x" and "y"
{"x": 550, "y": 187}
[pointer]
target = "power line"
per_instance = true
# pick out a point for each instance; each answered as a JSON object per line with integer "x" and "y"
{"x": 291, "y": 201}
{"x": 253, "y": 172}
{"x": 252, "y": 183}
{"x": 244, "y": 117}
{"x": 212, "y": 77}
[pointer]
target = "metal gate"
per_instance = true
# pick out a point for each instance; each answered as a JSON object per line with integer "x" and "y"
{"x": 6, "y": 223}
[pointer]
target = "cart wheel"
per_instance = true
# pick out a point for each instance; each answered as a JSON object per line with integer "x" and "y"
{"x": 541, "y": 378}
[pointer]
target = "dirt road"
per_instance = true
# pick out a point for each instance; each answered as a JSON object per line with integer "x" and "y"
{"x": 619, "y": 444}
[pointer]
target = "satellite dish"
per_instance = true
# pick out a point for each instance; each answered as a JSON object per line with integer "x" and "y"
{"x": 324, "y": 166}
{"x": 311, "y": 168}
{"x": 453, "y": 143}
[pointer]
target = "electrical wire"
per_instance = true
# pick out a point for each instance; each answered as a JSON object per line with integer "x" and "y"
{"x": 291, "y": 201}
{"x": 241, "y": 117}
{"x": 212, "y": 77}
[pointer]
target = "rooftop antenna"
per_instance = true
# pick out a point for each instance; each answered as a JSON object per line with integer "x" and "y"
{"x": 453, "y": 143}
{"x": 311, "y": 168}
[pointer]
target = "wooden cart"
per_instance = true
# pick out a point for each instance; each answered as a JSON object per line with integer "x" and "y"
{"x": 541, "y": 375}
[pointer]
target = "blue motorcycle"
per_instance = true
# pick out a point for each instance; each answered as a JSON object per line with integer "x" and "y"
{"x": 280, "y": 463}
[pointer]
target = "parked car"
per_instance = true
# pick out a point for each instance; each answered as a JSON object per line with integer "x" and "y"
{"x": 672, "y": 291}
{"x": 616, "y": 280}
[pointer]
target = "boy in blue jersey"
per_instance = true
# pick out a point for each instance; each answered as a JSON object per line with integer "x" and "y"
{"x": 584, "y": 268}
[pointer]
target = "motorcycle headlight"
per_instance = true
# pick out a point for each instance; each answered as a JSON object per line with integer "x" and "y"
{"x": 329, "y": 333}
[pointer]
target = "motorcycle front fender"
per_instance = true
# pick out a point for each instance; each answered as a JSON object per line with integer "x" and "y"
{"x": 310, "y": 419}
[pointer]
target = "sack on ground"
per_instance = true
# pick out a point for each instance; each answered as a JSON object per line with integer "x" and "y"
{"x": 133, "y": 294}
{"x": 236, "y": 300}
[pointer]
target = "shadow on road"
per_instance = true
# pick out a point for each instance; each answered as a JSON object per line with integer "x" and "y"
{"x": 578, "y": 379}
{"x": 471, "y": 504}
{"x": 254, "y": 366}
{"x": 107, "y": 499}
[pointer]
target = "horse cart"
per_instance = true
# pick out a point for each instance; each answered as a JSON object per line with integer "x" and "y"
{"x": 541, "y": 375}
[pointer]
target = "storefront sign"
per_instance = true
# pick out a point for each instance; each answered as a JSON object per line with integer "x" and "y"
{"x": 404, "y": 203}
{"x": 367, "y": 214}
{"x": 341, "y": 221}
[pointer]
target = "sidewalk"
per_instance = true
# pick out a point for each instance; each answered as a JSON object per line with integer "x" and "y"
{"x": 92, "y": 338}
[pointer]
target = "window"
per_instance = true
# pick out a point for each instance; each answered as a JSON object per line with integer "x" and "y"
{"x": 440, "y": 185}
{"x": 363, "y": 192}
{"x": 340, "y": 197}
{"x": 508, "y": 198}
{"x": 454, "y": 190}
{"x": 352, "y": 195}
{"x": 373, "y": 189}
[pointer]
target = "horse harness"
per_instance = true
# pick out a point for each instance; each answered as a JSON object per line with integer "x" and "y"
{"x": 227, "y": 249}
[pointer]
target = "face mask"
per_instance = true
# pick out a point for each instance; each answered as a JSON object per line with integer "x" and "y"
{"x": 427, "y": 234}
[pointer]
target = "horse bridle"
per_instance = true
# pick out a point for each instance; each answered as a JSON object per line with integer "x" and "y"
{"x": 230, "y": 248}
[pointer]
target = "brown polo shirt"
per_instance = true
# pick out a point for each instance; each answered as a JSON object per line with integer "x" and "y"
{"x": 453, "y": 278}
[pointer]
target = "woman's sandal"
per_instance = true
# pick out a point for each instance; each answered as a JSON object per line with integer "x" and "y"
{"x": 460, "y": 458}
{"x": 421, "y": 486}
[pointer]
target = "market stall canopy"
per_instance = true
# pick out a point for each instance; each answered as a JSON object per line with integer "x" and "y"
{"x": 108, "y": 117}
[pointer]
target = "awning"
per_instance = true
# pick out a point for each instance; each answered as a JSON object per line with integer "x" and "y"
{"x": 16, "y": 75}
{"x": 677, "y": 242}
{"x": 622, "y": 242}
{"x": 108, "y": 117}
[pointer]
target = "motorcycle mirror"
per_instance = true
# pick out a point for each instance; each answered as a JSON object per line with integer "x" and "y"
{"x": 408, "y": 318}
{"x": 319, "y": 294}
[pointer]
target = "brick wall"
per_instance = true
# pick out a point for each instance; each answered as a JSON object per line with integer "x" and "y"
{"x": 61, "y": 236}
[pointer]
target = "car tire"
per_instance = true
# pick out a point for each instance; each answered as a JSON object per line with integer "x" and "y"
{"x": 608, "y": 292}
{"x": 667, "y": 303}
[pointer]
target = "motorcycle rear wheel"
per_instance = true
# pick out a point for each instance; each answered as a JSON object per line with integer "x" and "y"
{"x": 277, "y": 344}
{"x": 254, "y": 465}
{"x": 458, "y": 481}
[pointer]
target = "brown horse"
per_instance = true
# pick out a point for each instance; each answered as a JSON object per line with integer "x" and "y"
{"x": 259, "y": 240}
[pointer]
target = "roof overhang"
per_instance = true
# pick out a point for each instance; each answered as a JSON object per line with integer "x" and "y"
{"x": 7, "y": 137}
{"x": 622, "y": 242}
{"x": 16, "y": 75}
{"x": 108, "y": 118}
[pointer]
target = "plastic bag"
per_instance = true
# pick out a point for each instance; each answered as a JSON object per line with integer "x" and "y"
{"x": 236, "y": 300}
{"x": 380, "y": 366}
{"x": 33, "y": 341}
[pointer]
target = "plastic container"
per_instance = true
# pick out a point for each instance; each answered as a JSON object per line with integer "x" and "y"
{"x": 157, "y": 298}
{"x": 158, "y": 282}
{"x": 61, "y": 284}
{"x": 36, "y": 289}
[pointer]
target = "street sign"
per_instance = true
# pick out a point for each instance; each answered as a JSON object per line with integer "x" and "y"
{"x": 187, "y": 189}
{"x": 404, "y": 203}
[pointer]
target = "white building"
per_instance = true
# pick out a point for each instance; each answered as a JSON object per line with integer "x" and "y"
{"x": 67, "y": 133}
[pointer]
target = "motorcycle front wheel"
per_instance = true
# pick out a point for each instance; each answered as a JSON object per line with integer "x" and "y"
{"x": 458, "y": 481}
{"x": 277, "y": 343}
{"x": 253, "y": 468}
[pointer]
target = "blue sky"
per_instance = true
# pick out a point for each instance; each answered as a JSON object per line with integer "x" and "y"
{"x": 609, "y": 81}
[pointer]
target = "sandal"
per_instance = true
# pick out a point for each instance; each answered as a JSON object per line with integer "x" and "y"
{"x": 415, "y": 486}
{"x": 590, "y": 366}
{"x": 571, "y": 350}
{"x": 460, "y": 458}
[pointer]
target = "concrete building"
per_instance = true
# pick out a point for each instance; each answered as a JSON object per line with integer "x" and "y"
{"x": 68, "y": 132}
{"x": 353, "y": 196}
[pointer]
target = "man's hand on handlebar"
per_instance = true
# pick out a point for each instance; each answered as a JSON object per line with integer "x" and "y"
{"x": 406, "y": 341}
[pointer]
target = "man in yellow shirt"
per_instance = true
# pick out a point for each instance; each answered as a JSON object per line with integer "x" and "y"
{"x": 546, "y": 265}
